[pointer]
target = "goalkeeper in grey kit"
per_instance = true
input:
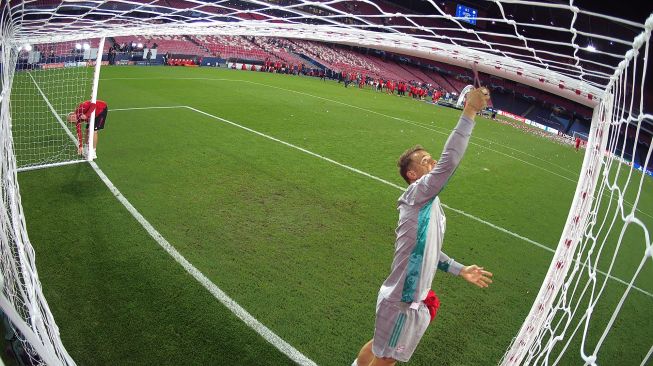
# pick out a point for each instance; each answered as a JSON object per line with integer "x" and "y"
{"x": 406, "y": 304}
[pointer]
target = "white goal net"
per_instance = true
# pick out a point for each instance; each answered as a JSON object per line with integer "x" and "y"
{"x": 50, "y": 80}
{"x": 589, "y": 57}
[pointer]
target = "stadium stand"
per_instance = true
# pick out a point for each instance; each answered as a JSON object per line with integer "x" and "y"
{"x": 227, "y": 47}
{"x": 516, "y": 98}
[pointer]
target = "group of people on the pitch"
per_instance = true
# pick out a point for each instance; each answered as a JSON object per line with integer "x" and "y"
{"x": 414, "y": 88}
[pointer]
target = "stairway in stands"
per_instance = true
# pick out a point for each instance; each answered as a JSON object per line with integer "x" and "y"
{"x": 194, "y": 41}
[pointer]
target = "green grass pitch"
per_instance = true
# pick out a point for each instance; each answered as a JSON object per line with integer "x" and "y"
{"x": 301, "y": 243}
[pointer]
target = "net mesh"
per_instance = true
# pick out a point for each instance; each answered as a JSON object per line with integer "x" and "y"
{"x": 605, "y": 240}
{"x": 553, "y": 39}
{"x": 51, "y": 79}
{"x": 22, "y": 299}
{"x": 592, "y": 58}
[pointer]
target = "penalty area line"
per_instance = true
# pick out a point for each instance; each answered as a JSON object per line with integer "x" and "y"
{"x": 458, "y": 211}
{"x": 461, "y": 212}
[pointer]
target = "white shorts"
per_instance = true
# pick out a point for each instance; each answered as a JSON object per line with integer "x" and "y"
{"x": 398, "y": 329}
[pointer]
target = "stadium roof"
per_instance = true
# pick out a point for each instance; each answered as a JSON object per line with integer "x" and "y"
{"x": 545, "y": 45}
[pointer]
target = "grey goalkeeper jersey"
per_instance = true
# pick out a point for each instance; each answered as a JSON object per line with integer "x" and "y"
{"x": 421, "y": 227}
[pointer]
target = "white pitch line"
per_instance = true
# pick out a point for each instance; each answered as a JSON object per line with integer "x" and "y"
{"x": 227, "y": 301}
{"x": 533, "y": 242}
{"x": 146, "y": 108}
{"x": 220, "y": 295}
{"x": 370, "y": 176}
{"x": 427, "y": 127}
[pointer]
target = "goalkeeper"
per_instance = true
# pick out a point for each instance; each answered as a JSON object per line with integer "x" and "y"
{"x": 83, "y": 113}
{"x": 405, "y": 304}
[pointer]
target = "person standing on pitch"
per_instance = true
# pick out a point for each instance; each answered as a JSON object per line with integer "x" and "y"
{"x": 83, "y": 113}
{"x": 405, "y": 304}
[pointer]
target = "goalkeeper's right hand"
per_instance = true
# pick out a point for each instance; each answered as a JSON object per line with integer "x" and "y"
{"x": 475, "y": 101}
{"x": 80, "y": 150}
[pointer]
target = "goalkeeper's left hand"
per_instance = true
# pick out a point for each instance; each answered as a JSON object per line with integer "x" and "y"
{"x": 80, "y": 150}
{"x": 476, "y": 275}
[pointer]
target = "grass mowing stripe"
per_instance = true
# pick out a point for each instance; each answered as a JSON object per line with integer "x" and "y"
{"x": 430, "y": 129}
{"x": 220, "y": 295}
{"x": 403, "y": 189}
{"x": 198, "y": 180}
{"x": 233, "y": 306}
{"x": 406, "y": 121}
{"x": 446, "y": 133}
{"x": 414, "y": 123}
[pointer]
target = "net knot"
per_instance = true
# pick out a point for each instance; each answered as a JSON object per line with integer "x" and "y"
{"x": 649, "y": 23}
{"x": 629, "y": 55}
{"x": 639, "y": 41}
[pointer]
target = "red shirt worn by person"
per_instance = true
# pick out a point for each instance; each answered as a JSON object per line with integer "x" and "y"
{"x": 85, "y": 109}
{"x": 436, "y": 96}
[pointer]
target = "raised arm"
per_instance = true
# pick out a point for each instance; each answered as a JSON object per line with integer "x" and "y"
{"x": 433, "y": 182}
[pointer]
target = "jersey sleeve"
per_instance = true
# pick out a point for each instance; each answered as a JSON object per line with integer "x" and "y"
{"x": 78, "y": 126}
{"x": 448, "y": 264}
{"x": 89, "y": 111}
{"x": 432, "y": 183}
{"x": 79, "y": 110}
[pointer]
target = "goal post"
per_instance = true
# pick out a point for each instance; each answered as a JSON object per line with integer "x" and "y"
{"x": 41, "y": 83}
{"x": 563, "y": 259}
{"x": 48, "y": 69}
{"x": 96, "y": 80}
{"x": 50, "y": 80}
{"x": 603, "y": 212}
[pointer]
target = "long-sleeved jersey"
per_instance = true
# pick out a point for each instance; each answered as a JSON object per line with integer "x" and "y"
{"x": 421, "y": 226}
{"x": 85, "y": 109}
